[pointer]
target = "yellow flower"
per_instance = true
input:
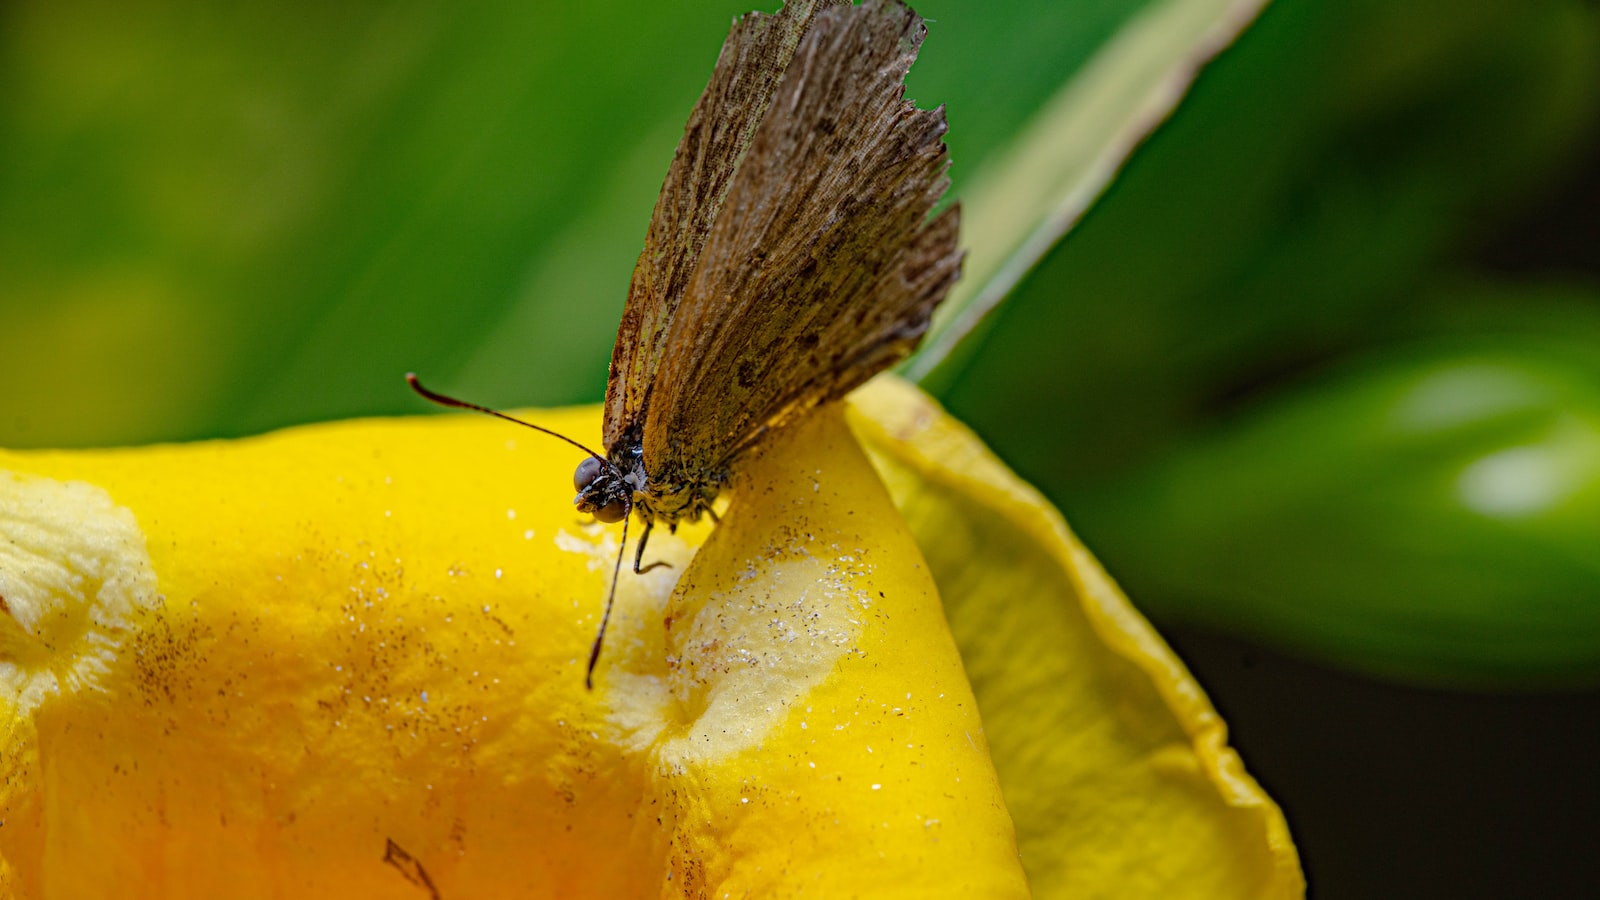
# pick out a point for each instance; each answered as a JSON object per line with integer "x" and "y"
{"x": 347, "y": 660}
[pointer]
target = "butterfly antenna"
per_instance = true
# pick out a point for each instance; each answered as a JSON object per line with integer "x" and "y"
{"x": 442, "y": 400}
{"x": 605, "y": 618}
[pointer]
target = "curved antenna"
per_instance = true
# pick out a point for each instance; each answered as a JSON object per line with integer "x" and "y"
{"x": 616, "y": 571}
{"x": 442, "y": 400}
{"x": 605, "y": 618}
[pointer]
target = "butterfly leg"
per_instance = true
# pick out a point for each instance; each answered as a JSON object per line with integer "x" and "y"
{"x": 638, "y": 554}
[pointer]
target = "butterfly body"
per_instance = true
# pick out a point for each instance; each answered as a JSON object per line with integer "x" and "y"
{"x": 620, "y": 484}
{"x": 672, "y": 500}
{"x": 795, "y": 251}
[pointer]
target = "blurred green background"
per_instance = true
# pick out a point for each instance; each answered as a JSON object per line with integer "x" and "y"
{"x": 1318, "y": 378}
{"x": 1326, "y": 383}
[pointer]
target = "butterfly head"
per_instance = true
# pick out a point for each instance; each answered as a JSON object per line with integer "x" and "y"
{"x": 602, "y": 491}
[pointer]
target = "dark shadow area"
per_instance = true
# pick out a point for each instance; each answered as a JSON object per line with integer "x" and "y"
{"x": 1408, "y": 792}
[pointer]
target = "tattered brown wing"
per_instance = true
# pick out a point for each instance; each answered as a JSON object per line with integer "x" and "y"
{"x": 822, "y": 268}
{"x": 748, "y": 71}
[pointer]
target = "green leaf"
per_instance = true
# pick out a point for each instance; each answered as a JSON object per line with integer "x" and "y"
{"x": 1290, "y": 220}
{"x": 1030, "y": 193}
{"x": 1431, "y": 514}
{"x": 1280, "y": 221}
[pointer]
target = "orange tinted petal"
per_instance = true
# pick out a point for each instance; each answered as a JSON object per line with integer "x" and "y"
{"x": 348, "y": 660}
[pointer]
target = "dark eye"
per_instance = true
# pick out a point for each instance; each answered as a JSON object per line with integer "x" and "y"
{"x": 615, "y": 511}
{"x": 587, "y": 472}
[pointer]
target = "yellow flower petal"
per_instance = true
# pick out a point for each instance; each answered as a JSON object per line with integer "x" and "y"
{"x": 347, "y": 660}
{"x": 1115, "y": 766}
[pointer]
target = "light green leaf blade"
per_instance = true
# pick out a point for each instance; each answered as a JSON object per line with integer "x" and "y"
{"x": 1031, "y": 193}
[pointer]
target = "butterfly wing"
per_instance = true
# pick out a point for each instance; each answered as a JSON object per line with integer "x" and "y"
{"x": 822, "y": 268}
{"x": 747, "y": 74}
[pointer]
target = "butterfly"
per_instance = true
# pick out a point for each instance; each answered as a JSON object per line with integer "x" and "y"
{"x": 794, "y": 253}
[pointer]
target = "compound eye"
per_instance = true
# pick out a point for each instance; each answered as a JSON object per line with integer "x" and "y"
{"x": 615, "y": 511}
{"x": 587, "y": 472}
